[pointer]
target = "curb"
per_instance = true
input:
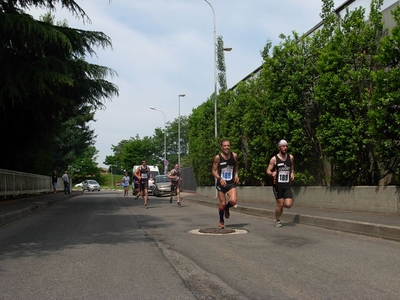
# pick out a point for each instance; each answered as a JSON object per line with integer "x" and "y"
{"x": 38, "y": 206}
{"x": 363, "y": 228}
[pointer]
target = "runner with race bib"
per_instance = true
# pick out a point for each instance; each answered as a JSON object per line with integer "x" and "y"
{"x": 281, "y": 169}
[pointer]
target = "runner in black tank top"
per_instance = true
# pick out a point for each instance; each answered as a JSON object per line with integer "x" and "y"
{"x": 225, "y": 170}
{"x": 176, "y": 178}
{"x": 143, "y": 173}
{"x": 281, "y": 169}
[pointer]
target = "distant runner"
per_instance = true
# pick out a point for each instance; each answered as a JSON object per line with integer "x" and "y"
{"x": 143, "y": 173}
{"x": 176, "y": 178}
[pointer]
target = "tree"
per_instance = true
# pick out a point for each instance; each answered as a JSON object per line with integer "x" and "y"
{"x": 131, "y": 152}
{"x": 85, "y": 164}
{"x": 221, "y": 65}
{"x": 202, "y": 143}
{"x": 344, "y": 89}
{"x": 45, "y": 82}
{"x": 385, "y": 108}
{"x": 172, "y": 141}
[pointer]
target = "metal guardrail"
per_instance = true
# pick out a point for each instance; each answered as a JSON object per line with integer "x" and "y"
{"x": 13, "y": 183}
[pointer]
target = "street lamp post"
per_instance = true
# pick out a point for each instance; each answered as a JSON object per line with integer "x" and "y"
{"x": 165, "y": 139}
{"x": 215, "y": 79}
{"x": 179, "y": 129}
{"x": 215, "y": 83}
{"x": 215, "y": 73}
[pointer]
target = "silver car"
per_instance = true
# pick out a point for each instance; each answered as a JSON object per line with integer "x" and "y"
{"x": 90, "y": 185}
{"x": 79, "y": 184}
{"x": 162, "y": 185}
{"x": 151, "y": 187}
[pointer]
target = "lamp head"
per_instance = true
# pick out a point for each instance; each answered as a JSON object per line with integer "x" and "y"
{"x": 182, "y": 95}
{"x": 152, "y": 107}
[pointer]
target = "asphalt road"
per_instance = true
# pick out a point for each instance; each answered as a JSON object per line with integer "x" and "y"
{"x": 101, "y": 245}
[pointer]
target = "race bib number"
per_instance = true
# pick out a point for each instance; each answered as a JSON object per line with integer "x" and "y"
{"x": 227, "y": 173}
{"x": 144, "y": 176}
{"x": 283, "y": 176}
{"x": 176, "y": 178}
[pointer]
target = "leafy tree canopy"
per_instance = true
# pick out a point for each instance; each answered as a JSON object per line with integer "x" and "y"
{"x": 48, "y": 91}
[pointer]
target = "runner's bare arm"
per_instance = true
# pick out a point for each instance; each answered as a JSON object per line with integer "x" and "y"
{"x": 271, "y": 166}
{"x": 292, "y": 173}
{"x": 215, "y": 167}
{"x": 236, "y": 178}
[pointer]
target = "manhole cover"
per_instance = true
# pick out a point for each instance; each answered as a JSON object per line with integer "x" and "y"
{"x": 218, "y": 231}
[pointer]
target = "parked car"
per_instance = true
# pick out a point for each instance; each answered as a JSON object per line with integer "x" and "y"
{"x": 151, "y": 188}
{"x": 79, "y": 184}
{"x": 162, "y": 185}
{"x": 90, "y": 185}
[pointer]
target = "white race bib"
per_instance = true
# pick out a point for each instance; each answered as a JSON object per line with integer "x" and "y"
{"x": 283, "y": 176}
{"x": 144, "y": 176}
{"x": 227, "y": 173}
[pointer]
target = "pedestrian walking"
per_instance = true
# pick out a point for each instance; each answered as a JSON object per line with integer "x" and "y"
{"x": 65, "y": 179}
{"x": 225, "y": 170}
{"x": 54, "y": 180}
{"x": 281, "y": 169}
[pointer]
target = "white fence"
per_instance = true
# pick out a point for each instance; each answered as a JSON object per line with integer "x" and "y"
{"x": 14, "y": 183}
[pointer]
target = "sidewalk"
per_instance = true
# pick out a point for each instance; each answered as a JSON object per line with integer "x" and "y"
{"x": 373, "y": 224}
{"x": 19, "y": 207}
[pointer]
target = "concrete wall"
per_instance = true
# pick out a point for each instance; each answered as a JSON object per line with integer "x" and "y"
{"x": 380, "y": 199}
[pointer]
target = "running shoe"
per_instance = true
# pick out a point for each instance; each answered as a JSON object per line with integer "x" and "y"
{"x": 145, "y": 206}
{"x": 227, "y": 214}
{"x": 179, "y": 203}
{"x": 278, "y": 223}
{"x": 221, "y": 225}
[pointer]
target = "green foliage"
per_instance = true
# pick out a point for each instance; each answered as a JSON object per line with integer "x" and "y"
{"x": 333, "y": 95}
{"x": 202, "y": 143}
{"x": 385, "y": 108}
{"x": 221, "y": 64}
{"x": 344, "y": 89}
{"x": 85, "y": 165}
{"x": 48, "y": 91}
{"x": 131, "y": 152}
{"x": 290, "y": 112}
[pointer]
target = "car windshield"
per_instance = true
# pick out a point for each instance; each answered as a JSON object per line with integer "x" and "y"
{"x": 163, "y": 178}
{"x": 92, "y": 182}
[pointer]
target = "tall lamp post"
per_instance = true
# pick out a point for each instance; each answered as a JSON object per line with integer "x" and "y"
{"x": 179, "y": 129}
{"x": 165, "y": 139}
{"x": 215, "y": 83}
{"x": 215, "y": 80}
{"x": 215, "y": 73}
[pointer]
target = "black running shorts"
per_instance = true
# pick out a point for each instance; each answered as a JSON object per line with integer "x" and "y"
{"x": 144, "y": 184}
{"x": 282, "y": 192}
{"x": 227, "y": 188}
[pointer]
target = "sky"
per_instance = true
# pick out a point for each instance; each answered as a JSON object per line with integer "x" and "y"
{"x": 164, "y": 48}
